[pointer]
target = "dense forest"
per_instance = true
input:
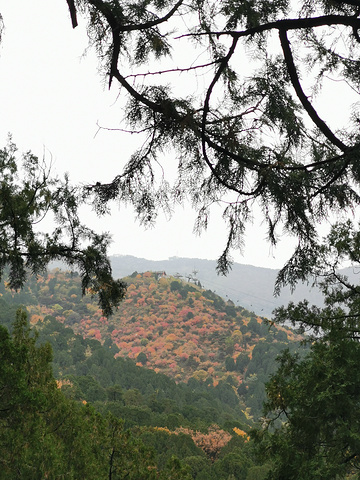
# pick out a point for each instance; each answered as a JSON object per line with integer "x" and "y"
{"x": 176, "y": 377}
{"x": 172, "y": 327}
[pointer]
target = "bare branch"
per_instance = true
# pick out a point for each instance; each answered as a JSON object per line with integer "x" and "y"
{"x": 113, "y": 21}
{"x": 173, "y": 70}
{"x": 286, "y": 24}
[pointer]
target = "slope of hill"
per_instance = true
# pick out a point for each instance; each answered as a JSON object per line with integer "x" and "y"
{"x": 139, "y": 424}
{"x": 173, "y": 327}
{"x": 246, "y": 285}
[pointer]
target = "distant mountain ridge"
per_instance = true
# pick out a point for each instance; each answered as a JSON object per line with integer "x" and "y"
{"x": 247, "y": 286}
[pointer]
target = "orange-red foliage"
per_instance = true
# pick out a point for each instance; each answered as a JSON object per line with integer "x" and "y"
{"x": 180, "y": 334}
{"x": 211, "y": 442}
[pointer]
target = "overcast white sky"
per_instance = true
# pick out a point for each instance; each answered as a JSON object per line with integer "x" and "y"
{"x": 51, "y": 100}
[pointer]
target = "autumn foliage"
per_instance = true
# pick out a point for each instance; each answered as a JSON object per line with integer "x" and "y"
{"x": 211, "y": 442}
{"x": 173, "y": 327}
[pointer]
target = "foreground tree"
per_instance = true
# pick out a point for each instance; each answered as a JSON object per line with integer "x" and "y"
{"x": 311, "y": 427}
{"x": 42, "y": 434}
{"x": 239, "y": 112}
{"x": 28, "y": 194}
{"x": 317, "y": 401}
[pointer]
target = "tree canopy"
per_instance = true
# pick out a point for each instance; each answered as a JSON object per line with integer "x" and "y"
{"x": 231, "y": 91}
{"x": 28, "y": 196}
{"x": 317, "y": 400}
{"x": 310, "y": 425}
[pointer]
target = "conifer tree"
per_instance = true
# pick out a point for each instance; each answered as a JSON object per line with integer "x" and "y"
{"x": 240, "y": 115}
{"x": 28, "y": 194}
{"x": 311, "y": 427}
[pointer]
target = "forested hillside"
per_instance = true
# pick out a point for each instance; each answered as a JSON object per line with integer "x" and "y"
{"x": 177, "y": 376}
{"x": 148, "y": 424}
{"x": 170, "y": 326}
{"x": 246, "y": 285}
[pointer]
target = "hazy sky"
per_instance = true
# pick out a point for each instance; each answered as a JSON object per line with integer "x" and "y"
{"x": 51, "y": 99}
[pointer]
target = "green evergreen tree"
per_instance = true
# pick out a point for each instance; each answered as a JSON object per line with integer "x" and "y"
{"x": 42, "y": 433}
{"x": 312, "y": 427}
{"x": 28, "y": 194}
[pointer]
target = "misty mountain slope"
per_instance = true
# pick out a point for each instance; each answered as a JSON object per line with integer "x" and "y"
{"x": 246, "y": 285}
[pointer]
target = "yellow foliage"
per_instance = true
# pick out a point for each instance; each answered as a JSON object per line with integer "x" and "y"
{"x": 200, "y": 375}
{"x": 241, "y": 433}
{"x": 251, "y": 348}
{"x": 91, "y": 308}
{"x": 88, "y": 352}
{"x": 62, "y": 382}
{"x": 164, "y": 429}
{"x": 237, "y": 335}
{"x": 246, "y": 412}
